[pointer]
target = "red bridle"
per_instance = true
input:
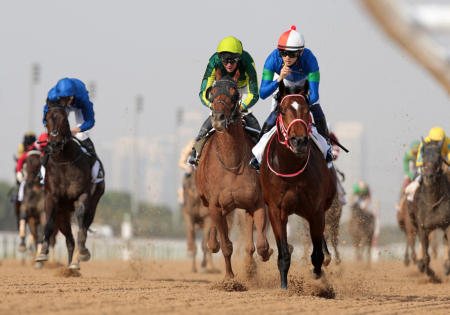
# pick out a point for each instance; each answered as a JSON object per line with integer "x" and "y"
{"x": 285, "y": 133}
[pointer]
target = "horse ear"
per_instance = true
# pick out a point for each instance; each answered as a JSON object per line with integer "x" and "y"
{"x": 218, "y": 74}
{"x": 236, "y": 76}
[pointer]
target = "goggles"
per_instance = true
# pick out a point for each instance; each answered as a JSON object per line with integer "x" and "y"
{"x": 289, "y": 53}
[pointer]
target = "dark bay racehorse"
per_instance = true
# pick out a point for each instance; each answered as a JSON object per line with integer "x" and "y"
{"x": 431, "y": 205}
{"x": 68, "y": 186}
{"x": 361, "y": 228}
{"x": 295, "y": 179}
{"x": 225, "y": 181}
{"x": 32, "y": 206}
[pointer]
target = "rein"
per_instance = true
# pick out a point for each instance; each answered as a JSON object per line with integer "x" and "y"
{"x": 284, "y": 132}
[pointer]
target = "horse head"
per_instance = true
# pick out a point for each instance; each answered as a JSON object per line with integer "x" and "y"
{"x": 224, "y": 97}
{"x": 432, "y": 161}
{"x": 57, "y": 125}
{"x": 294, "y": 119}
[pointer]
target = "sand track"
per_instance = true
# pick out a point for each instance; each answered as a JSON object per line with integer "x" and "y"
{"x": 138, "y": 287}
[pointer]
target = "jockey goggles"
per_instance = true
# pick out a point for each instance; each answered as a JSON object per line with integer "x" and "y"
{"x": 289, "y": 53}
{"x": 229, "y": 59}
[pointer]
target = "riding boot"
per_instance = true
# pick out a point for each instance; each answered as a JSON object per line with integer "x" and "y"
{"x": 44, "y": 158}
{"x": 199, "y": 142}
{"x": 89, "y": 146}
{"x": 252, "y": 122}
{"x": 321, "y": 125}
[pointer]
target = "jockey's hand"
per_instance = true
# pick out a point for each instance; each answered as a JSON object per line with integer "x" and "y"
{"x": 75, "y": 131}
{"x": 284, "y": 73}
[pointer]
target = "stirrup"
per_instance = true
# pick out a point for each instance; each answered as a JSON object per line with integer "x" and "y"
{"x": 254, "y": 163}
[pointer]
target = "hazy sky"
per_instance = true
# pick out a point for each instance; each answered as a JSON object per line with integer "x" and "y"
{"x": 160, "y": 49}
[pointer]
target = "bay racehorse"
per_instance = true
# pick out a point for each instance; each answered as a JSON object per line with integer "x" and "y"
{"x": 431, "y": 204}
{"x": 225, "y": 181}
{"x": 361, "y": 228}
{"x": 69, "y": 186}
{"x": 196, "y": 216}
{"x": 295, "y": 179}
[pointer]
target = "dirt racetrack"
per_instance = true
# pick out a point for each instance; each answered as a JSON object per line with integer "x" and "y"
{"x": 144, "y": 287}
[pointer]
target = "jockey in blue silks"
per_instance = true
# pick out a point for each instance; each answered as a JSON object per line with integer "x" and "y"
{"x": 78, "y": 103}
{"x": 295, "y": 65}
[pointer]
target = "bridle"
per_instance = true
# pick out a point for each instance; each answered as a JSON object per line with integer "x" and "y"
{"x": 223, "y": 86}
{"x": 283, "y": 131}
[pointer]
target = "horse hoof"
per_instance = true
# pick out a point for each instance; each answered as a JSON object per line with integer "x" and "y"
{"x": 267, "y": 255}
{"x": 338, "y": 261}
{"x": 421, "y": 265}
{"x": 406, "y": 262}
{"x": 316, "y": 276}
{"x": 22, "y": 248}
{"x": 74, "y": 266}
{"x": 38, "y": 265}
{"x": 290, "y": 248}
{"x": 41, "y": 257}
{"x": 447, "y": 268}
{"x": 327, "y": 260}
{"x": 84, "y": 255}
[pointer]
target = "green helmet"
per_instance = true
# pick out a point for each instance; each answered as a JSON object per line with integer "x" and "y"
{"x": 230, "y": 44}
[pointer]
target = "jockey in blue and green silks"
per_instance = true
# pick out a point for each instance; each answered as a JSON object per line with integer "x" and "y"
{"x": 229, "y": 57}
{"x": 295, "y": 65}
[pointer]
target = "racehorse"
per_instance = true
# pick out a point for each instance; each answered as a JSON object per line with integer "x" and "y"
{"x": 196, "y": 216}
{"x": 225, "y": 181}
{"x": 406, "y": 225}
{"x": 68, "y": 186}
{"x": 431, "y": 204}
{"x": 32, "y": 206}
{"x": 295, "y": 179}
{"x": 361, "y": 228}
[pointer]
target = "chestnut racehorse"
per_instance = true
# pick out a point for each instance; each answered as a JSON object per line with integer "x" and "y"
{"x": 225, "y": 181}
{"x": 68, "y": 186}
{"x": 295, "y": 179}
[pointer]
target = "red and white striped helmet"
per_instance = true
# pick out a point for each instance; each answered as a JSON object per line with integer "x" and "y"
{"x": 291, "y": 40}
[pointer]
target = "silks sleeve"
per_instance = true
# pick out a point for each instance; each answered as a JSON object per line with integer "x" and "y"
{"x": 208, "y": 79}
{"x": 313, "y": 79}
{"x": 88, "y": 115}
{"x": 268, "y": 86}
{"x": 252, "y": 87}
{"x": 419, "y": 161}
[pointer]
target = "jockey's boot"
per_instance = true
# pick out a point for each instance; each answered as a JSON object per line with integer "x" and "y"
{"x": 252, "y": 122}
{"x": 321, "y": 125}
{"x": 265, "y": 128}
{"x": 200, "y": 142}
{"x": 44, "y": 158}
{"x": 89, "y": 146}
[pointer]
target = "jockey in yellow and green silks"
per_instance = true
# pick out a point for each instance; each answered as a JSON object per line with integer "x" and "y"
{"x": 229, "y": 58}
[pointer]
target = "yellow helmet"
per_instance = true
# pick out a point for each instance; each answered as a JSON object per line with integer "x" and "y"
{"x": 436, "y": 134}
{"x": 230, "y": 44}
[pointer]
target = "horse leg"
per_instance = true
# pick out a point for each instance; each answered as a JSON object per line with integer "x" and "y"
{"x": 434, "y": 244}
{"x": 262, "y": 245}
{"x": 82, "y": 215}
{"x": 52, "y": 247}
{"x": 279, "y": 230}
{"x": 213, "y": 244}
{"x": 50, "y": 211}
{"x": 406, "y": 259}
{"x": 424, "y": 262}
{"x": 250, "y": 264}
{"x": 66, "y": 230}
{"x": 225, "y": 243}
{"x": 22, "y": 228}
{"x": 316, "y": 228}
{"x": 205, "y": 235}
{"x": 326, "y": 252}
{"x": 190, "y": 237}
{"x": 206, "y": 252}
{"x": 447, "y": 262}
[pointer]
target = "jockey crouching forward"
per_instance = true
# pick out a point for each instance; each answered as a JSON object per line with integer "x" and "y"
{"x": 436, "y": 134}
{"x": 229, "y": 57}
{"x": 76, "y": 100}
{"x": 295, "y": 65}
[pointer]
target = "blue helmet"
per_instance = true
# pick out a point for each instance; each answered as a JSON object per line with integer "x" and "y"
{"x": 65, "y": 87}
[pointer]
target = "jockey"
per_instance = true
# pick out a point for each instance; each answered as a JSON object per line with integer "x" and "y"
{"x": 36, "y": 147}
{"x": 361, "y": 195}
{"x": 28, "y": 140}
{"x": 295, "y": 65}
{"x": 78, "y": 102}
{"x": 435, "y": 134}
{"x": 229, "y": 57}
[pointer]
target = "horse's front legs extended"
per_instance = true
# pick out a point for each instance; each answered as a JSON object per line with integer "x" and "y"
{"x": 280, "y": 233}
{"x": 316, "y": 228}
{"x": 225, "y": 244}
